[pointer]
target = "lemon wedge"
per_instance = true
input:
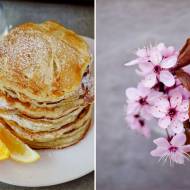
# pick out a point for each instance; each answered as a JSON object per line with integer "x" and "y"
{"x": 4, "y": 151}
{"x": 18, "y": 150}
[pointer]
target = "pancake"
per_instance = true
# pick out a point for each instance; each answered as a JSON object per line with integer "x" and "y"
{"x": 44, "y": 65}
{"x": 68, "y": 139}
{"x": 49, "y": 135}
{"x": 47, "y": 98}
{"x": 24, "y": 99}
{"x": 41, "y": 125}
{"x": 13, "y": 105}
{"x": 48, "y": 138}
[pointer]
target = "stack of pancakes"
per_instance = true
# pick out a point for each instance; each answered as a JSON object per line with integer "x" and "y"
{"x": 45, "y": 85}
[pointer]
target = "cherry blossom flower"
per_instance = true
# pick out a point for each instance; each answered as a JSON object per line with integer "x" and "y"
{"x": 137, "y": 123}
{"x": 172, "y": 112}
{"x": 179, "y": 88}
{"x": 176, "y": 88}
{"x": 155, "y": 64}
{"x": 175, "y": 150}
{"x": 162, "y": 95}
{"x": 166, "y": 51}
{"x": 159, "y": 69}
{"x": 140, "y": 100}
{"x": 143, "y": 56}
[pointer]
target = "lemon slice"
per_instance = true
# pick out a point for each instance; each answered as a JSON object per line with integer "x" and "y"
{"x": 4, "y": 151}
{"x": 18, "y": 150}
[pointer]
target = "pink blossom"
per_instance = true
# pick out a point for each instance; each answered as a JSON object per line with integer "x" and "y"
{"x": 137, "y": 123}
{"x": 179, "y": 88}
{"x": 143, "y": 61}
{"x": 160, "y": 95}
{"x": 143, "y": 56}
{"x": 172, "y": 112}
{"x": 159, "y": 69}
{"x": 166, "y": 51}
{"x": 187, "y": 69}
{"x": 155, "y": 64}
{"x": 140, "y": 100}
{"x": 175, "y": 150}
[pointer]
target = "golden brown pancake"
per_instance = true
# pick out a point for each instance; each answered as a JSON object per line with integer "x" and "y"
{"x": 44, "y": 62}
{"x": 79, "y": 126}
{"x": 44, "y": 99}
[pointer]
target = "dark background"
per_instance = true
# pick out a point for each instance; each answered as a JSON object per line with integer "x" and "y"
{"x": 80, "y": 2}
{"x": 123, "y": 157}
{"x": 78, "y": 16}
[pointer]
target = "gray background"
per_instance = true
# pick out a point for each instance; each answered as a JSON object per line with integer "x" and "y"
{"x": 77, "y": 17}
{"x": 123, "y": 157}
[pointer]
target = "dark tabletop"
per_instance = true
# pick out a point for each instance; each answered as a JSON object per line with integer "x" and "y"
{"x": 79, "y": 18}
{"x": 123, "y": 157}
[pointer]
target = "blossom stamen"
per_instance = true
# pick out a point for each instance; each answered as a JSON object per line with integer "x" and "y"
{"x": 172, "y": 112}
{"x": 143, "y": 101}
{"x": 157, "y": 69}
{"x": 136, "y": 116}
{"x": 141, "y": 122}
{"x": 173, "y": 149}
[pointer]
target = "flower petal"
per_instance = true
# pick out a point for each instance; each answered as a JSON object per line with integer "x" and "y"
{"x": 142, "y": 52}
{"x": 132, "y": 122}
{"x": 155, "y": 56}
{"x": 146, "y": 132}
{"x": 177, "y": 126}
{"x": 163, "y": 142}
{"x": 185, "y": 148}
{"x": 177, "y": 157}
{"x": 164, "y": 122}
{"x": 161, "y": 47}
{"x": 143, "y": 91}
{"x": 150, "y": 80}
{"x": 140, "y": 73}
{"x": 169, "y": 62}
{"x": 132, "y": 93}
{"x": 176, "y": 99}
{"x": 184, "y": 106}
{"x": 145, "y": 112}
{"x": 146, "y": 67}
{"x": 164, "y": 104}
{"x": 170, "y": 51}
{"x": 161, "y": 104}
{"x": 167, "y": 78}
{"x": 178, "y": 140}
{"x": 157, "y": 112}
{"x": 133, "y": 62}
{"x": 183, "y": 116}
{"x": 159, "y": 152}
{"x": 184, "y": 92}
{"x": 187, "y": 69}
{"x": 133, "y": 108}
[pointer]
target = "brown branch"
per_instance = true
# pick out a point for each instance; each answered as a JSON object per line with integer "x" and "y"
{"x": 184, "y": 56}
{"x": 184, "y": 77}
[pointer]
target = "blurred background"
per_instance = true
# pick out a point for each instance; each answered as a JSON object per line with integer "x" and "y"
{"x": 74, "y": 14}
{"x": 123, "y": 157}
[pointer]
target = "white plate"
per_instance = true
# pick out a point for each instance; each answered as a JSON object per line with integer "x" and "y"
{"x": 54, "y": 166}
